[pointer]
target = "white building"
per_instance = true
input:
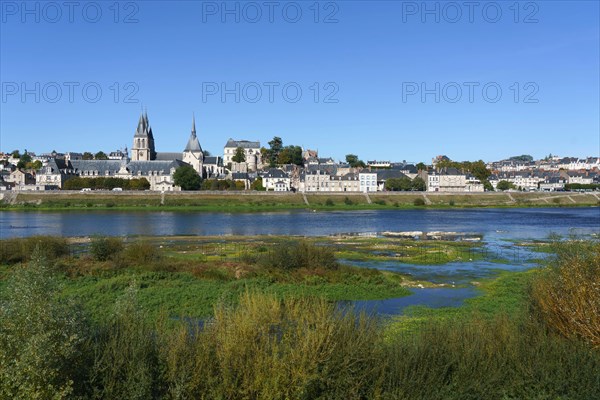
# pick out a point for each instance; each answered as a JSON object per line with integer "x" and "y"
{"x": 251, "y": 151}
{"x": 277, "y": 180}
{"x": 446, "y": 180}
{"x": 368, "y": 181}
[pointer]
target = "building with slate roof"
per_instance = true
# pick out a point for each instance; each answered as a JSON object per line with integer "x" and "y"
{"x": 251, "y": 151}
{"x": 157, "y": 168}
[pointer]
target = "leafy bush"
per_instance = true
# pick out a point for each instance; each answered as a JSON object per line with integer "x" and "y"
{"x": 140, "y": 253}
{"x": 419, "y": 202}
{"x": 348, "y": 202}
{"x": 329, "y": 202}
{"x": 103, "y": 248}
{"x": 42, "y": 337}
{"x": 296, "y": 255}
{"x": 126, "y": 364}
{"x": 20, "y": 249}
{"x": 106, "y": 183}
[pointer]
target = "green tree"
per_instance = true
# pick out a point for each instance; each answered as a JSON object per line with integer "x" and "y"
{"x": 290, "y": 155}
{"x": 504, "y": 185}
{"x": 42, "y": 337}
{"x": 239, "y": 156}
{"x": 275, "y": 147}
{"x": 354, "y": 162}
{"x": 257, "y": 184}
{"x": 419, "y": 184}
{"x": 15, "y": 154}
{"x": 88, "y": 156}
{"x": 100, "y": 156}
{"x": 24, "y": 160}
{"x": 421, "y": 166}
{"x": 35, "y": 165}
{"x": 398, "y": 184}
{"x": 524, "y": 158}
{"x": 187, "y": 177}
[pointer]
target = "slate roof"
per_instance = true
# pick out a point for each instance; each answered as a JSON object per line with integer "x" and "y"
{"x": 213, "y": 161}
{"x": 102, "y": 166}
{"x": 386, "y": 174}
{"x": 168, "y": 156}
{"x": 146, "y": 167}
{"x": 193, "y": 144}
{"x": 244, "y": 144}
{"x": 276, "y": 173}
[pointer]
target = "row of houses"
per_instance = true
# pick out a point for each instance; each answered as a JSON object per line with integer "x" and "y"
{"x": 549, "y": 164}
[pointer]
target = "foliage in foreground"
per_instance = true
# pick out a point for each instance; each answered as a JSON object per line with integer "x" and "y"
{"x": 103, "y": 183}
{"x": 567, "y": 294}
{"x": 42, "y": 339}
{"x": 269, "y": 348}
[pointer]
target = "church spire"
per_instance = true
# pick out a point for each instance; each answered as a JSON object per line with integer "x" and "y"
{"x": 193, "y": 144}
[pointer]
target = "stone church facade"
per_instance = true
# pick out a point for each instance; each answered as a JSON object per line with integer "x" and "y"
{"x": 158, "y": 168}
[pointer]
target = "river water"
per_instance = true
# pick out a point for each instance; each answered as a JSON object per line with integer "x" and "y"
{"x": 498, "y": 227}
{"x": 513, "y": 223}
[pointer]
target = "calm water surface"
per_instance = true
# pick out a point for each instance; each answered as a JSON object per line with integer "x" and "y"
{"x": 499, "y": 227}
{"x": 492, "y": 223}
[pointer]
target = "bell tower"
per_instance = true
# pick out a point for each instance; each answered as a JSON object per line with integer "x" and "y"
{"x": 143, "y": 141}
{"x": 193, "y": 153}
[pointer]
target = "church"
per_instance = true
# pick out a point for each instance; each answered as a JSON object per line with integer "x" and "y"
{"x": 158, "y": 168}
{"x": 143, "y": 150}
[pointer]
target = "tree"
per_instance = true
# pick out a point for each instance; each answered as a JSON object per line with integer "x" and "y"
{"x": 35, "y": 165}
{"x": 421, "y": 166}
{"x": 290, "y": 155}
{"x": 42, "y": 336}
{"x": 15, "y": 154}
{"x": 240, "y": 156}
{"x": 100, "y": 156}
{"x": 88, "y": 156}
{"x": 187, "y": 177}
{"x": 257, "y": 184}
{"x": 524, "y": 158}
{"x": 504, "y": 185}
{"x": 354, "y": 162}
{"x": 275, "y": 147}
{"x": 418, "y": 184}
{"x": 24, "y": 160}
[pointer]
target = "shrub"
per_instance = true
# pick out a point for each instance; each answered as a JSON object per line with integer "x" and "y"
{"x": 348, "y": 202}
{"x": 451, "y": 203}
{"x": 292, "y": 349}
{"x": 419, "y": 202}
{"x": 380, "y": 202}
{"x": 567, "y": 294}
{"x": 104, "y": 248}
{"x": 296, "y": 255}
{"x": 20, "y": 249}
{"x": 329, "y": 202}
{"x": 126, "y": 361}
{"x": 140, "y": 253}
{"x": 42, "y": 337}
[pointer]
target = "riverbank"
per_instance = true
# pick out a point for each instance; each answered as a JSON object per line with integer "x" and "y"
{"x": 504, "y": 344}
{"x": 242, "y": 201}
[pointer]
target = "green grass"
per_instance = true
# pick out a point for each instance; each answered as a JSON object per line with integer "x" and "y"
{"x": 506, "y": 294}
{"x": 182, "y": 294}
{"x": 249, "y": 202}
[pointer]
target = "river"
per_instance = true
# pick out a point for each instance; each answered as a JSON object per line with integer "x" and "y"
{"x": 498, "y": 227}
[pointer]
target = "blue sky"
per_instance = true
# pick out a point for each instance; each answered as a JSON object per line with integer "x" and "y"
{"x": 371, "y": 61}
